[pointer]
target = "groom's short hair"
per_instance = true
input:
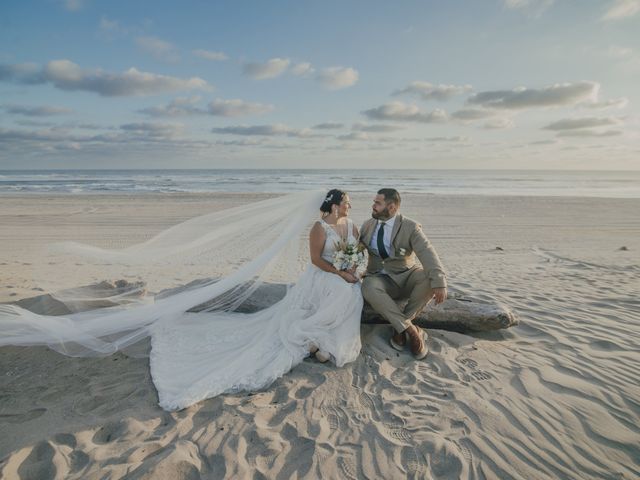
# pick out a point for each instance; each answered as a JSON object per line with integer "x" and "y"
{"x": 390, "y": 195}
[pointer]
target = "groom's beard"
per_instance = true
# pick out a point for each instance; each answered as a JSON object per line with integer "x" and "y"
{"x": 383, "y": 215}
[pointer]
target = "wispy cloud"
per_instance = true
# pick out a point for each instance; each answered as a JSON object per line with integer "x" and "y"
{"x": 557, "y": 95}
{"x": 209, "y": 55}
{"x": 428, "y": 91}
{"x": 499, "y": 123}
{"x": 74, "y": 5}
{"x": 66, "y": 75}
{"x": 328, "y": 126}
{"x": 619, "y": 103}
{"x": 335, "y": 78}
{"x": 158, "y": 48}
{"x": 153, "y": 129}
{"x": 237, "y": 108}
{"x": 264, "y": 130}
{"x": 621, "y": 9}
{"x": 176, "y": 108}
{"x": 354, "y": 137}
{"x": 378, "y": 128}
{"x": 471, "y": 114}
{"x": 36, "y": 111}
{"x": 302, "y": 69}
{"x": 182, "y": 106}
{"x": 401, "y": 112}
{"x": 589, "y": 133}
{"x": 455, "y": 139}
{"x": 518, "y": 4}
{"x": 270, "y": 69}
{"x": 584, "y": 122}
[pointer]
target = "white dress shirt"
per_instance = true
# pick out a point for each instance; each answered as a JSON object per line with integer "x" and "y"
{"x": 388, "y": 229}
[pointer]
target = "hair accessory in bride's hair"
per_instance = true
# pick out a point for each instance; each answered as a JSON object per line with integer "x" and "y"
{"x": 328, "y": 199}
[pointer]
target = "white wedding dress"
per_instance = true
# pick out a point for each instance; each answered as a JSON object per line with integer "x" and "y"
{"x": 200, "y": 355}
{"x": 214, "y": 261}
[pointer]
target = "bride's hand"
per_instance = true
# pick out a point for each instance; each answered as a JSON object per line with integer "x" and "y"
{"x": 348, "y": 277}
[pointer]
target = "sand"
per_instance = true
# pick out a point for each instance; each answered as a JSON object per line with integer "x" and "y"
{"x": 557, "y": 396}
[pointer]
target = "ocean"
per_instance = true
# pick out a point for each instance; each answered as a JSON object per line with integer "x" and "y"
{"x": 612, "y": 184}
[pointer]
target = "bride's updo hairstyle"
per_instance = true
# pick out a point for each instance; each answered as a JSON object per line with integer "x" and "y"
{"x": 334, "y": 197}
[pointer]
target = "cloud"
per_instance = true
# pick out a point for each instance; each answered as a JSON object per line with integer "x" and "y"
{"x": 380, "y": 128}
{"x": 209, "y": 55}
{"x": 621, "y": 9}
{"x": 66, "y": 75}
{"x": 619, "y": 103}
{"x": 182, "y": 106}
{"x": 499, "y": 123}
{"x": 24, "y": 73}
{"x": 237, "y": 108}
{"x": 518, "y": 4}
{"x": 108, "y": 27}
{"x": 585, "y": 122}
{"x": 248, "y": 142}
{"x": 428, "y": 91}
{"x": 533, "y": 7}
{"x": 158, "y": 48}
{"x": 270, "y": 69}
{"x": 618, "y": 52}
{"x": 557, "y": 95}
{"x": 401, "y": 112}
{"x": 302, "y": 69}
{"x": 263, "y": 130}
{"x": 471, "y": 114}
{"x": 354, "y": 136}
{"x": 454, "y": 139}
{"x": 74, "y": 5}
{"x": 335, "y": 78}
{"x": 41, "y": 111}
{"x": 328, "y": 126}
{"x": 153, "y": 129}
{"x": 177, "y": 107}
{"x": 589, "y": 133}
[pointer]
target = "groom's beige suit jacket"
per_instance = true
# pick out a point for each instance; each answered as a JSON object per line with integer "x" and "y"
{"x": 408, "y": 242}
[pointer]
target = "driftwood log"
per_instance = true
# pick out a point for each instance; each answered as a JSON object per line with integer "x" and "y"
{"x": 458, "y": 313}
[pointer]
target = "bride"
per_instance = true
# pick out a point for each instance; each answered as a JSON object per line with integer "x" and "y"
{"x": 202, "y": 342}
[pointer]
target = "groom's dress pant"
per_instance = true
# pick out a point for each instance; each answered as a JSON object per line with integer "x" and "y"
{"x": 381, "y": 292}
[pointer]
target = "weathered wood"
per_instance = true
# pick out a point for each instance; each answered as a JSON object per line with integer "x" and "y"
{"x": 459, "y": 314}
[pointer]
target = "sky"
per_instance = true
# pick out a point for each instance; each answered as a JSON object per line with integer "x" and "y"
{"x": 476, "y": 84}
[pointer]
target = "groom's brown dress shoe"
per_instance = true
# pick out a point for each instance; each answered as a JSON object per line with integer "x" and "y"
{"x": 417, "y": 342}
{"x": 398, "y": 341}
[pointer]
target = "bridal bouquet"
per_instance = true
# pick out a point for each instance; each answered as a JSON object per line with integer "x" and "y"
{"x": 350, "y": 256}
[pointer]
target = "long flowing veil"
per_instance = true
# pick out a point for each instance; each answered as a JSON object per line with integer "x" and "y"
{"x": 213, "y": 262}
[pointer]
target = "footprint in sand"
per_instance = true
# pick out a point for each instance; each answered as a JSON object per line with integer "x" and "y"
{"x": 347, "y": 467}
{"x": 475, "y": 374}
{"x": 469, "y": 362}
{"x": 480, "y": 375}
{"x": 414, "y": 461}
{"x": 335, "y": 416}
{"x": 398, "y": 432}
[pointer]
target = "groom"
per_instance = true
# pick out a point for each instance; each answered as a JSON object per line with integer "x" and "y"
{"x": 393, "y": 273}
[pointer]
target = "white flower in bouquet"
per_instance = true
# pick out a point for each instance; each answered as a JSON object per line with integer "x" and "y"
{"x": 350, "y": 256}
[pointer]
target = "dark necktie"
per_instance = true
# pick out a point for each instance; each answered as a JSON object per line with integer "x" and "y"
{"x": 381, "y": 250}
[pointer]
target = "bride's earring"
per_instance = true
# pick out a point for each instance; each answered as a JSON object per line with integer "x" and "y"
{"x": 335, "y": 213}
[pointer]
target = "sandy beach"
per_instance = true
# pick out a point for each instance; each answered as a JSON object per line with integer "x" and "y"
{"x": 556, "y": 397}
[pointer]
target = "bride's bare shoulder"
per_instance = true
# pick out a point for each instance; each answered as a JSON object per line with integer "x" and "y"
{"x": 317, "y": 227}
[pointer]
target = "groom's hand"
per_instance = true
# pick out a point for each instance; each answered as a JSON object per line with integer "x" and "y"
{"x": 439, "y": 295}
